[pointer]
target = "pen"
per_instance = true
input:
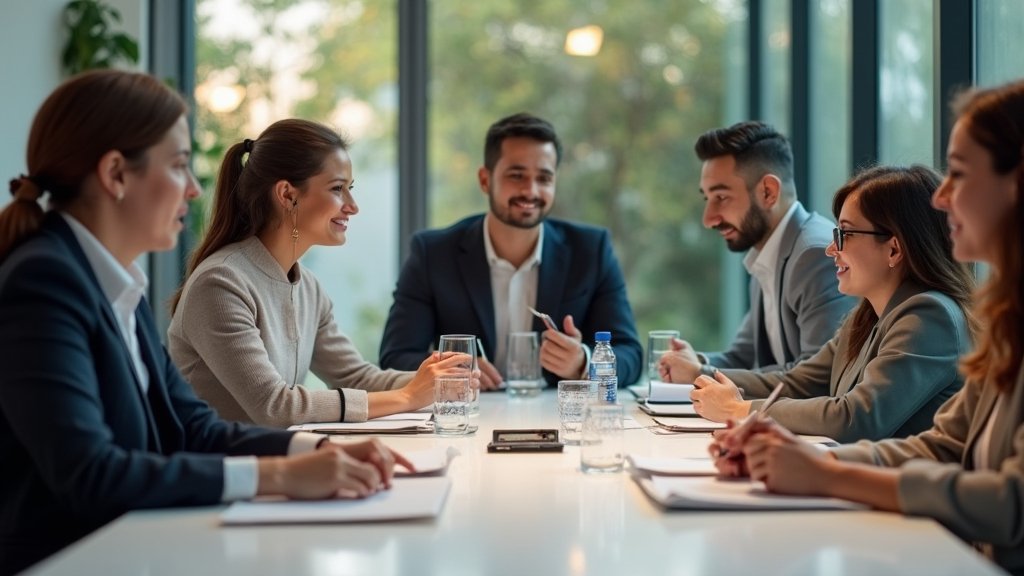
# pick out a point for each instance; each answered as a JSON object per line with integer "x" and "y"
{"x": 544, "y": 318}
{"x": 480, "y": 346}
{"x": 753, "y": 416}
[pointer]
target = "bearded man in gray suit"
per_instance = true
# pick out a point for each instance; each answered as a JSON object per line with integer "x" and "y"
{"x": 750, "y": 199}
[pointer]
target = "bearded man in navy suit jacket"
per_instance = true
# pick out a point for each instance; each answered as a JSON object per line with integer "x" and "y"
{"x": 481, "y": 275}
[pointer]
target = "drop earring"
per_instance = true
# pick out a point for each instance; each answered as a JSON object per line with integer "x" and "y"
{"x": 295, "y": 228}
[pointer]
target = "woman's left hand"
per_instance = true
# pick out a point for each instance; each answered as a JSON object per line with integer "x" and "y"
{"x": 785, "y": 463}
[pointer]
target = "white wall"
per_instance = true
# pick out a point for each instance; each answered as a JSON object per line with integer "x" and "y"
{"x": 31, "y": 40}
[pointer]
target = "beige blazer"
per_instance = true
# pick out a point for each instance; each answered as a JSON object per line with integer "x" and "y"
{"x": 938, "y": 477}
{"x": 903, "y": 373}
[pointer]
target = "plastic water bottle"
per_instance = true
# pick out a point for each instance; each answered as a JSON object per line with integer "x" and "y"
{"x": 602, "y": 369}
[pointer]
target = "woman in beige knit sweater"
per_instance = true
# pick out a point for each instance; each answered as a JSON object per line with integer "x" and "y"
{"x": 249, "y": 322}
{"x": 967, "y": 471}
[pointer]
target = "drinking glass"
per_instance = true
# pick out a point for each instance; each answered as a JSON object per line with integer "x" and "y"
{"x": 602, "y": 440}
{"x": 522, "y": 366}
{"x": 451, "y": 405}
{"x": 464, "y": 344}
{"x": 658, "y": 342}
{"x": 573, "y": 397}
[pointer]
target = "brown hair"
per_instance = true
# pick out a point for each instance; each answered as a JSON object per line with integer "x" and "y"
{"x": 897, "y": 200}
{"x": 995, "y": 119}
{"x": 84, "y": 118}
{"x": 292, "y": 150}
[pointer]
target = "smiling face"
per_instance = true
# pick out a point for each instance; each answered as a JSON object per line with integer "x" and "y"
{"x": 975, "y": 197}
{"x": 863, "y": 265}
{"x": 521, "y": 188}
{"x": 326, "y": 205}
{"x": 729, "y": 206}
{"x": 156, "y": 195}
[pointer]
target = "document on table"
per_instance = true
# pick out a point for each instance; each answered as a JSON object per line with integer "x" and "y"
{"x": 408, "y": 498}
{"x": 429, "y": 462}
{"x": 672, "y": 466}
{"x": 668, "y": 393}
{"x": 403, "y": 423}
{"x": 668, "y": 409}
{"x": 640, "y": 391}
{"x": 687, "y": 424}
{"x": 710, "y": 493}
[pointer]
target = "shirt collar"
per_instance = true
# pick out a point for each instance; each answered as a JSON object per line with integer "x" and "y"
{"x": 493, "y": 258}
{"x": 767, "y": 256}
{"x": 120, "y": 285}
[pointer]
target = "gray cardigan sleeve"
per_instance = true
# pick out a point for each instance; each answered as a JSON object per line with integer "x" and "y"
{"x": 339, "y": 364}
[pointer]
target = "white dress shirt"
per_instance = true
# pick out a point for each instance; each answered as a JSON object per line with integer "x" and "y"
{"x": 513, "y": 291}
{"x": 124, "y": 288}
{"x": 761, "y": 264}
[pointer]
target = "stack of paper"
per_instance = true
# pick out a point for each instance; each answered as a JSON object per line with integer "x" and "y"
{"x": 708, "y": 493}
{"x": 672, "y": 466}
{"x": 408, "y": 498}
{"x": 404, "y": 423}
{"x": 662, "y": 392}
{"x": 687, "y": 424}
{"x": 668, "y": 409}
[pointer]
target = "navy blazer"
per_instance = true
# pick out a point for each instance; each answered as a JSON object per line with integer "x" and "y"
{"x": 445, "y": 288}
{"x": 79, "y": 441}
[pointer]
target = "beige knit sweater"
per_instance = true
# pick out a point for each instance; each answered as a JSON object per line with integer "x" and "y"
{"x": 246, "y": 337}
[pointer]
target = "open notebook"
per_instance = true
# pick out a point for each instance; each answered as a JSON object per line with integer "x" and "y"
{"x": 408, "y": 498}
{"x": 710, "y": 493}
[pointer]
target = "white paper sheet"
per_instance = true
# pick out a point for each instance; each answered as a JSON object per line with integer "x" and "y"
{"x": 667, "y": 392}
{"x": 673, "y": 466}
{"x": 709, "y": 493}
{"x": 429, "y": 462}
{"x": 407, "y": 499}
{"x": 687, "y": 424}
{"x": 403, "y": 423}
{"x": 668, "y": 409}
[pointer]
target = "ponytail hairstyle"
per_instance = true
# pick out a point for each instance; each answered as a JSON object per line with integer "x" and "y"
{"x": 84, "y": 118}
{"x": 994, "y": 118}
{"x": 243, "y": 205}
{"x": 897, "y": 200}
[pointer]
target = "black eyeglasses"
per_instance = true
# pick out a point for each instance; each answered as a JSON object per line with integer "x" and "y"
{"x": 839, "y": 235}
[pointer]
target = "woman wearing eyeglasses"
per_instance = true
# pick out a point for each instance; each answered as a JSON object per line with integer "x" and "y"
{"x": 967, "y": 470}
{"x": 892, "y": 364}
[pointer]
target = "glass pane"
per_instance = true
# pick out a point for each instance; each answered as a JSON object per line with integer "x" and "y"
{"x": 999, "y": 41}
{"x": 776, "y": 68}
{"x": 333, "y": 61}
{"x": 907, "y": 96}
{"x": 666, "y": 71}
{"x": 830, "y": 100}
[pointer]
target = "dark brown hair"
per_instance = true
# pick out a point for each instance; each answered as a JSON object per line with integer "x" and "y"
{"x": 84, "y": 118}
{"x": 994, "y": 118}
{"x": 521, "y": 125}
{"x": 291, "y": 150}
{"x": 897, "y": 200}
{"x": 757, "y": 148}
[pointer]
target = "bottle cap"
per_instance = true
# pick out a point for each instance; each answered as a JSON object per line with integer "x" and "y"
{"x": 603, "y": 336}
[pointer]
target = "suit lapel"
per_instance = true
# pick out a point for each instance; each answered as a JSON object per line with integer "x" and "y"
{"x": 552, "y": 277}
{"x": 476, "y": 277}
{"x": 170, "y": 433}
{"x": 789, "y": 236}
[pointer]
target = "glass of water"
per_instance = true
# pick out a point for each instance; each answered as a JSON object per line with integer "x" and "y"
{"x": 464, "y": 344}
{"x": 522, "y": 366}
{"x": 658, "y": 343}
{"x": 451, "y": 405}
{"x": 602, "y": 441}
{"x": 573, "y": 397}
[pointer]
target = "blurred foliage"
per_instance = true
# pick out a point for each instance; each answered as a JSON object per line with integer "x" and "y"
{"x": 91, "y": 43}
{"x": 628, "y": 118}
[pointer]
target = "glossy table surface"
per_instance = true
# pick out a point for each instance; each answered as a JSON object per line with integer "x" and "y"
{"x": 530, "y": 514}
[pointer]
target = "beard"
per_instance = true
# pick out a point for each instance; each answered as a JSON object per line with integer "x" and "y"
{"x": 751, "y": 230}
{"x": 505, "y": 216}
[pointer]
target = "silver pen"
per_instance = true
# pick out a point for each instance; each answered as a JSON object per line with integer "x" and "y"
{"x": 754, "y": 416}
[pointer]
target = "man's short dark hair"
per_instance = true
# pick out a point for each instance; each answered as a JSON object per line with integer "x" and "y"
{"x": 521, "y": 125}
{"x": 756, "y": 146}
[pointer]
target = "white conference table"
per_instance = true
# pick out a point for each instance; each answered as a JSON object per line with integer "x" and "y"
{"x": 530, "y": 514}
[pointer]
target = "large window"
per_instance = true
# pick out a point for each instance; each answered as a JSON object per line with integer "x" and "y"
{"x": 332, "y": 61}
{"x": 830, "y": 62}
{"x": 662, "y": 72}
{"x": 776, "y": 64}
{"x": 906, "y": 82}
{"x": 1000, "y": 40}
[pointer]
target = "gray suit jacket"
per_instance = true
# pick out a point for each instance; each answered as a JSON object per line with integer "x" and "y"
{"x": 903, "y": 373}
{"x": 810, "y": 305}
{"x": 938, "y": 477}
